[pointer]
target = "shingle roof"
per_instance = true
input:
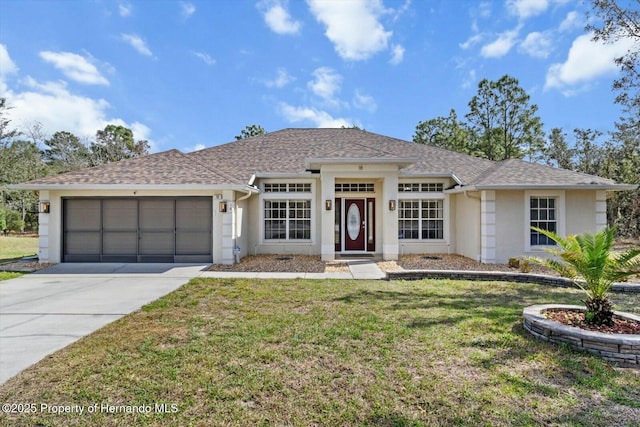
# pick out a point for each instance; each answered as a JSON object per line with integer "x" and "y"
{"x": 518, "y": 172}
{"x": 167, "y": 168}
{"x": 286, "y": 151}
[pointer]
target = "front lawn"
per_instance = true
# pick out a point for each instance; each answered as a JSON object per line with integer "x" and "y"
{"x": 15, "y": 247}
{"x": 303, "y": 352}
{"x": 6, "y": 275}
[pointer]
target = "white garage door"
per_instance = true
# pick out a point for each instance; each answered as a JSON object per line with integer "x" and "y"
{"x": 149, "y": 229}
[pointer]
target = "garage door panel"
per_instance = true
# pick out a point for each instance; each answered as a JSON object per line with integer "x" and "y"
{"x": 83, "y": 242}
{"x": 156, "y": 244}
{"x": 194, "y": 243}
{"x": 116, "y": 243}
{"x": 120, "y": 214}
{"x": 156, "y": 214}
{"x": 82, "y": 215}
{"x": 193, "y": 214}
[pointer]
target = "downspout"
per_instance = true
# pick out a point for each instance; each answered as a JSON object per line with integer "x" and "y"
{"x": 235, "y": 225}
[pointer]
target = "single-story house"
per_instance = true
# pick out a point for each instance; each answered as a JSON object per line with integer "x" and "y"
{"x": 328, "y": 192}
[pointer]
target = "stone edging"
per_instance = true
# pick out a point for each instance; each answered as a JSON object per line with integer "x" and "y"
{"x": 500, "y": 276}
{"x": 623, "y": 349}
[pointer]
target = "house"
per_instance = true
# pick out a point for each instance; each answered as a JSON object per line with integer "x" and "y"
{"x": 328, "y": 192}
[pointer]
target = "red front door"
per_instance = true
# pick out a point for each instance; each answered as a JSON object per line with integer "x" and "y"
{"x": 354, "y": 222}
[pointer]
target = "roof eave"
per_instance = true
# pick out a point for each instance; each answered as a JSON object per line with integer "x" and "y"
{"x": 607, "y": 187}
{"x": 107, "y": 187}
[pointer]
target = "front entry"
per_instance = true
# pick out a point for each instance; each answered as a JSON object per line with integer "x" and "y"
{"x": 358, "y": 225}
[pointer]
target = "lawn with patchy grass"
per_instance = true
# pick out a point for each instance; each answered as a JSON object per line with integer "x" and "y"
{"x": 6, "y": 275}
{"x": 303, "y": 352}
{"x": 15, "y": 247}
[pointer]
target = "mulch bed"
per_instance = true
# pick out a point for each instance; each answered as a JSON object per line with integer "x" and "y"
{"x": 576, "y": 319}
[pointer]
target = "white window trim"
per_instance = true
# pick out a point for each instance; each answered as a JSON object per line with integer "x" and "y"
{"x": 445, "y": 214}
{"x": 561, "y": 222}
{"x": 281, "y": 196}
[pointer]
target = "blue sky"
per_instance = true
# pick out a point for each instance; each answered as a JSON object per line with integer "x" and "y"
{"x": 192, "y": 74}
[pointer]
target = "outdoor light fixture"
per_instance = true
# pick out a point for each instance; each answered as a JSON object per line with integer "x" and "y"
{"x": 392, "y": 205}
{"x": 223, "y": 207}
{"x": 44, "y": 207}
{"x": 327, "y": 204}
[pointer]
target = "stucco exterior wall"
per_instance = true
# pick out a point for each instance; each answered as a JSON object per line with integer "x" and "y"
{"x": 581, "y": 211}
{"x": 510, "y": 225}
{"x": 577, "y": 212}
{"x": 467, "y": 224}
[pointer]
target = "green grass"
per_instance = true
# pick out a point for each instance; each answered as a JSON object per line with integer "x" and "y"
{"x": 276, "y": 352}
{"x": 6, "y": 275}
{"x": 14, "y": 247}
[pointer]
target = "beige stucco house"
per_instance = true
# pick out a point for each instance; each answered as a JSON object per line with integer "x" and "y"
{"x": 328, "y": 192}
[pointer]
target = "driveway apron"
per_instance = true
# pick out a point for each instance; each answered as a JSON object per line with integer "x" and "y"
{"x": 43, "y": 312}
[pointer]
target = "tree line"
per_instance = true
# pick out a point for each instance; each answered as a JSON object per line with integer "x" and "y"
{"x": 29, "y": 154}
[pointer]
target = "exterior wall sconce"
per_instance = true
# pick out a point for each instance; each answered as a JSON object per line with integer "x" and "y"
{"x": 223, "y": 207}
{"x": 44, "y": 207}
{"x": 392, "y": 205}
{"x": 327, "y": 204}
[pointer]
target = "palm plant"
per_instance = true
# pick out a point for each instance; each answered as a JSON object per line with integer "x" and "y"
{"x": 587, "y": 260}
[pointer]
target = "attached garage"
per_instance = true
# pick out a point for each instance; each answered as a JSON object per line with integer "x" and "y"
{"x": 143, "y": 229}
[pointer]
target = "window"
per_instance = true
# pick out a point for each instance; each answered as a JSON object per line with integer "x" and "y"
{"x": 367, "y": 187}
{"x": 542, "y": 214}
{"x": 281, "y": 187}
{"x": 287, "y": 219}
{"x": 425, "y": 187}
{"x": 421, "y": 219}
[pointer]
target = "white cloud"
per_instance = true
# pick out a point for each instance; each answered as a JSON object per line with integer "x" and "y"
{"x": 282, "y": 79}
{"x": 485, "y": 9}
{"x": 205, "y": 57}
{"x": 319, "y": 118}
{"x": 397, "y": 54}
{"x": 586, "y": 61}
{"x": 124, "y": 9}
{"x": 137, "y": 43}
{"x": 75, "y": 67}
{"x": 571, "y": 21}
{"x": 7, "y": 66}
{"x": 469, "y": 79}
{"x": 471, "y": 41}
{"x": 364, "y": 102}
{"x": 500, "y": 46}
{"x": 53, "y": 105}
{"x": 537, "y": 45}
{"x": 277, "y": 17}
{"x": 352, "y": 26}
{"x": 326, "y": 83}
{"x": 187, "y": 9}
{"x": 524, "y": 9}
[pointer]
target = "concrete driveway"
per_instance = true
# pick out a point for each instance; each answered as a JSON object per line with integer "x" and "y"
{"x": 43, "y": 312}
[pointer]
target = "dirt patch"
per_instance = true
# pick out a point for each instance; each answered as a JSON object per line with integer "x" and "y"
{"x": 451, "y": 262}
{"x": 25, "y": 266}
{"x": 284, "y": 264}
{"x": 576, "y": 319}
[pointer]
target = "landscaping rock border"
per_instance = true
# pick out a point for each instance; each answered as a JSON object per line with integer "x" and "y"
{"x": 622, "y": 349}
{"x": 498, "y": 276}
